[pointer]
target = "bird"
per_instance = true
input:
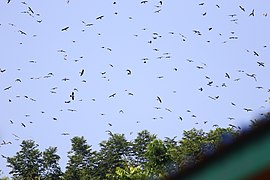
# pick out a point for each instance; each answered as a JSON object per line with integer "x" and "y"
{"x": 2, "y": 70}
{"x": 201, "y": 4}
{"x": 143, "y": 2}
{"x": 252, "y": 75}
{"x": 243, "y": 9}
{"x": 65, "y": 28}
{"x": 7, "y": 88}
{"x": 252, "y": 13}
{"x": 99, "y": 17}
{"x": 233, "y": 104}
{"x": 65, "y": 79}
{"x": 159, "y": 99}
{"x": 54, "y": 118}
{"x": 248, "y": 109}
{"x": 109, "y": 124}
{"x": 8, "y": 1}
{"x": 65, "y": 134}
{"x": 22, "y": 32}
{"x": 72, "y": 95}
{"x": 81, "y": 73}
{"x": 227, "y": 75}
{"x": 204, "y": 14}
{"x": 112, "y": 95}
{"x": 255, "y": 53}
{"x": 29, "y": 8}
{"x": 23, "y": 124}
{"x": 128, "y": 72}
{"x": 261, "y": 64}
{"x": 210, "y": 83}
{"x": 168, "y": 109}
{"x": 232, "y": 15}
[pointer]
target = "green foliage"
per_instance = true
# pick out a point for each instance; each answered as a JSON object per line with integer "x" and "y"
{"x": 139, "y": 147}
{"x": 51, "y": 166}
{"x": 146, "y": 157}
{"x": 113, "y": 153}
{"x": 31, "y": 163}
{"x": 28, "y": 162}
{"x": 81, "y": 161}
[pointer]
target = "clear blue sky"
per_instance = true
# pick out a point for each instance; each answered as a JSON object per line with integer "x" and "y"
{"x": 105, "y": 48}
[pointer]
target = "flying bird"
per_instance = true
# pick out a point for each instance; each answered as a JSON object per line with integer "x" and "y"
{"x": 65, "y": 28}
{"x": 159, "y": 99}
{"x": 65, "y": 134}
{"x": 248, "y": 109}
{"x": 255, "y": 53}
{"x": 128, "y": 72}
{"x": 99, "y": 17}
{"x": 81, "y": 73}
{"x": 23, "y": 124}
{"x": 227, "y": 75}
{"x": 112, "y": 95}
{"x": 261, "y": 64}
{"x": 7, "y": 88}
{"x": 20, "y": 31}
{"x": 72, "y": 95}
{"x": 242, "y": 8}
{"x": 252, "y": 13}
{"x": 29, "y": 8}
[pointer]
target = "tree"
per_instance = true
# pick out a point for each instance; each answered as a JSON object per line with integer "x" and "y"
{"x": 27, "y": 163}
{"x": 113, "y": 153}
{"x": 52, "y": 170}
{"x": 158, "y": 159}
{"x": 189, "y": 151}
{"x": 81, "y": 163}
{"x": 139, "y": 147}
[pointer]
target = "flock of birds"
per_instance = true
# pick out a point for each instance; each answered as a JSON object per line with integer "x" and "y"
{"x": 146, "y": 61}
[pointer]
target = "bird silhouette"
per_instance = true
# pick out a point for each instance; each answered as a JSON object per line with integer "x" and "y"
{"x": 248, "y": 109}
{"x": 261, "y": 64}
{"x": 112, "y": 95}
{"x": 81, "y": 73}
{"x": 252, "y": 13}
{"x": 128, "y": 72}
{"x": 72, "y": 95}
{"x": 242, "y": 8}
{"x": 227, "y": 75}
{"x": 255, "y": 53}
{"x": 65, "y": 28}
{"x": 159, "y": 99}
{"x": 99, "y": 17}
{"x": 7, "y": 88}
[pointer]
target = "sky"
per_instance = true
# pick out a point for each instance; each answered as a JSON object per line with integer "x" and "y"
{"x": 163, "y": 66}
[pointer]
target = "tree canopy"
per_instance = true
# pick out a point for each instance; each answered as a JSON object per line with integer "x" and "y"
{"x": 142, "y": 158}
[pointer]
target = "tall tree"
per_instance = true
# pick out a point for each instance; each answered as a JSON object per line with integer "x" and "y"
{"x": 114, "y": 153}
{"x": 139, "y": 147}
{"x": 27, "y": 163}
{"x": 81, "y": 163}
{"x": 52, "y": 170}
{"x": 158, "y": 158}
